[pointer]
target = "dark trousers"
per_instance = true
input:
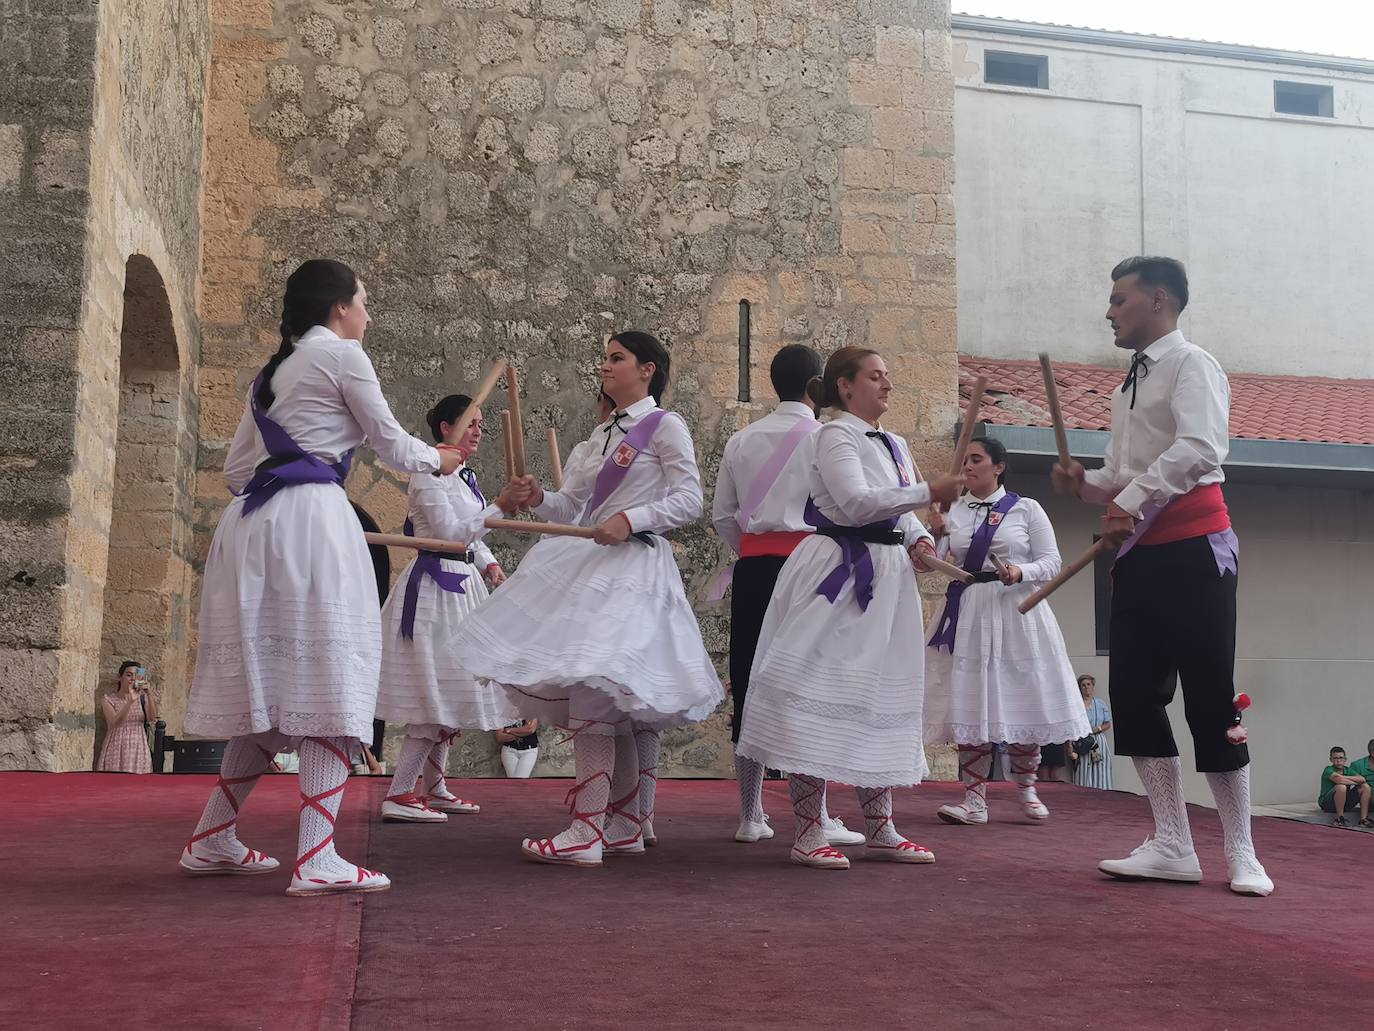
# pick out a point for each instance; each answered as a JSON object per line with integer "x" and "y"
{"x": 750, "y": 591}
{"x": 1174, "y": 622}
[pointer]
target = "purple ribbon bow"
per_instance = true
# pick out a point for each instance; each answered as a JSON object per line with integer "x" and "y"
{"x": 288, "y": 464}
{"x": 855, "y": 560}
{"x": 427, "y": 564}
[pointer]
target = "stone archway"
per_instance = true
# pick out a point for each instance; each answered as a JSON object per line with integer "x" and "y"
{"x": 146, "y": 611}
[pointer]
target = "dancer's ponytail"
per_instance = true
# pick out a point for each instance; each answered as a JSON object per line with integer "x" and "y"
{"x": 311, "y": 291}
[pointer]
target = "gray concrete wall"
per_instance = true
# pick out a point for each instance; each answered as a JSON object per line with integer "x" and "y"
{"x": 1129, "y": 152}
{"x": 1304, "y": 651}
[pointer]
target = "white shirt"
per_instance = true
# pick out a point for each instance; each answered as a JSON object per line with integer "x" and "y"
{"x": 746, "y": 453}
{"x": 328, "y": 399}
{"x": 1177, "y": 435}
{"x": 445, "y": 507}
{"x": 854, "y": 480}
{"x": 661, "y": 489}
{"x": 1024, "y": 538}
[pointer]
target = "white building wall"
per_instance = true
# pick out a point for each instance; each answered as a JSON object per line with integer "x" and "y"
{"x": 1140, "y": 152}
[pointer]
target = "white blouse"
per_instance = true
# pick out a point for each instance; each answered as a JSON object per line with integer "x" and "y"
{"x": 854, "y": 480}
{"x": 746, "y": 453}
{"x": 445, "y": 507}
{"x": 328, "y": 399}
{"x": 1024, "y": 539}
{"x": 1175, "y": 438}
{"x": 661, "y": 490}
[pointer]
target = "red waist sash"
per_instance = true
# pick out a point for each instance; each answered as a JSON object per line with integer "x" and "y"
{"x": 774, "y": 542}
{"x": 1200, "y": 512}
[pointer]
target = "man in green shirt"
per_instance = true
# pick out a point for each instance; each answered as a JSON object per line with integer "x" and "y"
{"x": 1364, "y": 767}
{"x": 1343, "y": 790}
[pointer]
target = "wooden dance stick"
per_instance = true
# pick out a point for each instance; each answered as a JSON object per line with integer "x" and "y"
{"x": 1061, "y": 435}
{"x": 949, "y": 569}
{"x": 550, "y": 529}
{"x": 484, "y": 390}
{"x": 555, "y": 463}
{"x": 517, "y": 441}
{"x": 970, "y": 419}
{"x": 1066, "y": 574}
{"x": 506, "y": 434}
{"x": 398, "y": 540}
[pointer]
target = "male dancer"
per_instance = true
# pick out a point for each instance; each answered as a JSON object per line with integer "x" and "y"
{"x": 1174, "y": 582}
{"x": 761, "y": 491}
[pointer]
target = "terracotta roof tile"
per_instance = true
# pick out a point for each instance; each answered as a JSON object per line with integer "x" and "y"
{"x": 1308, "y": 408}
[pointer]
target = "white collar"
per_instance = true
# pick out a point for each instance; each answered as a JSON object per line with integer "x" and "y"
{"x": 643, "y": 406}
{"x": 317, "y": 333}
{"x": 991, "y": 499}
{"x": 795, "y": 408}
{"x": 1156, "y": 351}
{"x": 854, "y": 420}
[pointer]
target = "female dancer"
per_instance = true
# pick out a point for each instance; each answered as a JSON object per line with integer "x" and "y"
{"x": 835, "y": 689}
{"x": 421, "y": 685}
{"x": 993, "y": 674}
{"x": 598, "y": 636}
{"x": 290, "y": 632}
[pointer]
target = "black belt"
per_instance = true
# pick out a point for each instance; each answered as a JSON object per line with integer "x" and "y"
{"x": 469, "y": 556}
{"x": 986, "y": 576}
{"x": 867, "y": 534}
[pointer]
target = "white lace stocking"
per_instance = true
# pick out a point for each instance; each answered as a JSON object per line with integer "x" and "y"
{"x": 877, "y": 807}
{"x": 622, "y": 825}
{"x": 1024, "y": 761}
{"x": 246, "y": 759}
{"x": 323, "y": 774}
{"x": 593, "y": 760}
{"x": 414, "y": 752}
{"x": 649, "y": 743}
{"x": 808, "y": 794}
{"x": 1231, "y": 790}
{"x": 436, "y": 765}
{"x": 975, "y": 766}
{"x": 1163, "y": 780}
{"x": 749, "y": 780}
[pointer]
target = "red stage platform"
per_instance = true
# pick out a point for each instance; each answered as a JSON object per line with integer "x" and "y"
{"x": 1012, "y": 925}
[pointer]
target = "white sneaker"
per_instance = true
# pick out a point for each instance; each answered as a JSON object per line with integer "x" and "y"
{"x": 1153, "y": 862}
{"x": 1249, "y": 878}
{"x": 750, "y": 832}
{"x": 962, "y": 813}
{"x": 410, "y": 809}
{"x": 1035, "y": 810}
{"x": 304, "y": 882}
{"x": 836, "y": 833}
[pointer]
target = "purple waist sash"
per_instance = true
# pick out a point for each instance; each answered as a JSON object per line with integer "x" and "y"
{"x": 287, "y": 464}
{"x": 427, "y": 564}
{"x": 979, "y": 546}
{"x": 855, "y": 560}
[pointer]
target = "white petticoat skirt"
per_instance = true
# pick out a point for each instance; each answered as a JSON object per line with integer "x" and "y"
{"x": 290, "y": 630}
{"x": 421, "y": 682}
{"x": 1009, "y": 677}
{"x": 608, "y": 627}
{"x": 835, "y": 691}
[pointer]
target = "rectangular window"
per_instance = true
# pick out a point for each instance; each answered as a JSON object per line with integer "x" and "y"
{"x": 1303, "y": 98}
{"x": 1102, "y": 598}
{"x": 1002, "y": 68}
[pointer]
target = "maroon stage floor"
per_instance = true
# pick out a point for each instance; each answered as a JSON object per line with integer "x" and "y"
{"x": 1012, "y": 924}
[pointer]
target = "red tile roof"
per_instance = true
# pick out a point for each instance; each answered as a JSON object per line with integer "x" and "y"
{"x": 1310, "y": 408}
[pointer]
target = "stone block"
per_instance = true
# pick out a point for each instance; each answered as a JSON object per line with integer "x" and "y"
{"x": 516, "y": 94}
{"x": 574, "y": 91}
{"x": 61, "y": 160}
{"x": 496, "y": 43}
{"x": 897, "y": 129}
{"x": 542, "y": 143}
{"x": 777, "y": 153}
{"x": 390, "y": 89}
{"x": 866, "y": 236}
{"x": 440, "y": 44}
{"x": 339, "y": 82}
{"x": 318, "y": 35}
{"x": 556, "y": 40}
{"x": 872, "y": 85}
{"x": 900, "y": 46}
{"x": 622, "y": 101}
{"x": 654, "y": 150}
{"x": 594, "y": 149}
{"x": 389, "y": 36}
{"x": 926, "y": 89}
{"x": 920, "y": 174}
{"x": 867, "y": 169}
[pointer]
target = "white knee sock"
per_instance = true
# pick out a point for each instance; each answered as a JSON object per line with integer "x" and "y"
{"x": 436, "y": 764}
{"x": 622, "y": 824}
{"x": 877, "y": 807}
{"x": 649, "y": 744}
{"x": 808, "y": 794}
{"x": 324, "y": 772}
{"x": 246, "y": 759}
{"x": 409, "y": 765}
{"x": 749, "y": 780}
{"x": 1163, "y": 780}
{"x": 1231, "y": 790}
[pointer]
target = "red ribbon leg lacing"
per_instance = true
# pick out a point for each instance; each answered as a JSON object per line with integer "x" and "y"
{"x": 314, "y": 802}
{"x": 974, "y": 782}
{"x": 223, "y": 784}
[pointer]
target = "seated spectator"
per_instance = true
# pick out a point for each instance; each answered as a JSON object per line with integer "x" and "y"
{"x": 519, "y": 748}
{"x": 1343, "y": 792}
{"x": 128, "y": 710}
{"x": 1364, "y": 767}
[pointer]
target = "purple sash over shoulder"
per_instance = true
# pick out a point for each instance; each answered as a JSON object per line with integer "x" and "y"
{"x": 855, "y": 561}
{"x": 287, "y": 464}
{"x": 618, "y": 462}
{"x": 978, "y": 548}
{"x": 427, "y": 564}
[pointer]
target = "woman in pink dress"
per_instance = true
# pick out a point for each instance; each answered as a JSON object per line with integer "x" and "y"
{"x": 126, "y": 709}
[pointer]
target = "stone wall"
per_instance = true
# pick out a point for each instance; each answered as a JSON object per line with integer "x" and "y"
{"x": 101, "y": 134}
{"x": 518, "y": 177}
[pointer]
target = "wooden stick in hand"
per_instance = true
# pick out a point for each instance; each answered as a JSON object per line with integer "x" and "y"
{"x": 508, "y": 444}
{"x": 397, "y": 540}
{"x": 549, "y": 529}
{"x": 1061, "y": 434}
{"x": 484, "y": 390}
{"x": 517, "y": 441}
{"x": 949, "y": 569}
{"x": 975, "y": 402}
{"x": 555, "y": 463}
{"x": 1066, "y": 574}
